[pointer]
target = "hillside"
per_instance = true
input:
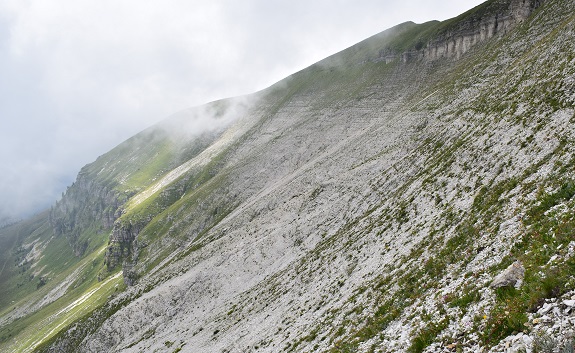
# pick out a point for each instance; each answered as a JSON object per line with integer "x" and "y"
{"x": 365, "y": 204}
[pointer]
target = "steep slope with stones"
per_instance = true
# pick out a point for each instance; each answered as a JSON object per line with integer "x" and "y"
{"x": 366, "y": 204}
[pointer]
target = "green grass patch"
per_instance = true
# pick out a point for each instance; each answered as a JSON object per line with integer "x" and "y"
{"x": 427, "y": 335}
{"x": 84, "y": 295}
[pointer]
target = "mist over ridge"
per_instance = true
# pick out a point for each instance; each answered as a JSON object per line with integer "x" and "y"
{"x": 80, "y": 78}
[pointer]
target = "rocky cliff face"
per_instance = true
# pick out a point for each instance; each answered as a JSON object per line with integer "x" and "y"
{"x": 87, "y": 204}
{"x": 496, "y": 20}
{"x": 457, "y": 36}
{"x": 363, "y": 206}
{"x": 121, "y": 244}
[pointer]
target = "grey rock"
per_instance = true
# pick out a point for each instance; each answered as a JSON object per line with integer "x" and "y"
{"x": 511, "y": 277}
{"x": 545, "y": 309}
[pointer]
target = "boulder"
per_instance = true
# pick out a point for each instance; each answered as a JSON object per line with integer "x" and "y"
{"x": 512, "y": 276}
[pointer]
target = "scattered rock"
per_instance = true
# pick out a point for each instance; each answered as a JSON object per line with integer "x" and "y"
{"x": 545, "y": 309}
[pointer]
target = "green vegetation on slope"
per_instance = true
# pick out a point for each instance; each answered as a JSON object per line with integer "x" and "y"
{"x": 177, "y": 217}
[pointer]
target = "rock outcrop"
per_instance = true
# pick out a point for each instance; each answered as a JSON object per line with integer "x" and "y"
{"x": 122, "y": 244}
{"x": 459, "y": 35}
{"x": 87, "y": 205}
{"x": 496, "y": 19}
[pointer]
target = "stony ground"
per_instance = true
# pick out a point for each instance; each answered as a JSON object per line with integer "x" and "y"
{"x": 368, "y": 207}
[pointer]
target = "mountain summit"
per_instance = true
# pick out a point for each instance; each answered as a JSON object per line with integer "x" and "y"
{"x": 412, "y": 193}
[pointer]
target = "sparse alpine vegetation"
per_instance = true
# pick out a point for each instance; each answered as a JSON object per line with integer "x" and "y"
{"x": 364, "y": 204}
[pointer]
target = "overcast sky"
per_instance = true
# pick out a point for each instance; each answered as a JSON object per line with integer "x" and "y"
{"x": 77, "y": 77}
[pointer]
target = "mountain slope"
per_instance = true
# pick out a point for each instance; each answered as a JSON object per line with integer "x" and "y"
{"x": 363, "y": 204}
